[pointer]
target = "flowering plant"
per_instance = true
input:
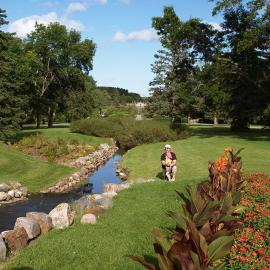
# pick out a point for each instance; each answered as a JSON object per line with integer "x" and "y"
{"x": 203, "y": 233}
{"x": 251, "y": 248}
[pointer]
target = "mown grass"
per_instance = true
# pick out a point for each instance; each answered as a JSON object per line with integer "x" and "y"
{"x": 33, "y": 173}
{"x": 37, "y": 174}
{"x": 126, "y": 228}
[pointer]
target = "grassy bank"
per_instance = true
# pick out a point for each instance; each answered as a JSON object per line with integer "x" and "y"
{"x": 38, "y": 174}
{"x": 33, "y": 173}
{"x": 193, "y": 154}
{"x": 64, "y": 133}
{"x": 126, "y": 228}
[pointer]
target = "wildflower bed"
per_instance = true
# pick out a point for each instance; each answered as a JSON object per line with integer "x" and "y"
{"x": 251, "y": 249}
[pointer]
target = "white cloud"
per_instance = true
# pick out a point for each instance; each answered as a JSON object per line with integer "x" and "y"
{"x": 143, "y": 35}
{"x": 24, "y": 26}
{"x": 75, "y": 6}
{"x": 101, "y": 2}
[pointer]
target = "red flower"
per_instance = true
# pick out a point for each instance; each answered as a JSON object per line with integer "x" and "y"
{"x": 233, "y": 250}
{"x": 260, "y": 251}
{"x": 254, "y": 253}
{"x": 242, "y": 250}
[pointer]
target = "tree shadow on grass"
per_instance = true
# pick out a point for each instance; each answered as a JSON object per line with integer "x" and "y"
{"x": 251, "y": 135}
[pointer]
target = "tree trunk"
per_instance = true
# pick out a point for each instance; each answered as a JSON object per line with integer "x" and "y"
{"x": 38, "y": 119}
{"x": 215, "y": 119}
{"x": 189, "y": 119}
{"x": 239, "y": 125}
{"x": 50, "y": 118}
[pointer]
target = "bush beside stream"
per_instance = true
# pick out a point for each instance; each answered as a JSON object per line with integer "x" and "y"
{"x": 130, "y": 133}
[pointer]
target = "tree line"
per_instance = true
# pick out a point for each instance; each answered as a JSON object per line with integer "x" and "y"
{"x": 223, "y": 72}
{"x": 45, "y": 74}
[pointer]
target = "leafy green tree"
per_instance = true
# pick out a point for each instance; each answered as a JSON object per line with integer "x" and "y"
{"x": 60, "y": 61}
{"x": 186, "y": 45}
{"x": 11, "y": 99}
{"x": 245, "y": 56}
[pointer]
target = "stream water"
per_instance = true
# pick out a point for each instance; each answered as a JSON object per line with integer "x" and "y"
{"x": 46, "y": 202}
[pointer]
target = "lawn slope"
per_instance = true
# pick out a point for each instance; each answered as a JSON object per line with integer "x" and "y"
{"x": 126, "y": 228}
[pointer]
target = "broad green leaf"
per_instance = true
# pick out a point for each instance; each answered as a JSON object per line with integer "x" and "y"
{"x": 219, "y": 248}
{"x": 195, "y": 260}
{"x": 180, "y": 222}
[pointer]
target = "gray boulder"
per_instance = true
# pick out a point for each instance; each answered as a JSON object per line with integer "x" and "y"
{"x": 88, "y": 219}
{"x": 31, "y": 226}
{"x": 3, "y": 249}
{"x": 44, "y": 221}
{"x": 4, "y": 187}
{"x": 62, "y": 216}
{"x": 11, "y": 193}
{"x": 3, "y": 196}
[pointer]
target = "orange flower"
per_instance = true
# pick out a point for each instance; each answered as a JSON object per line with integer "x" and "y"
{"x": 228, "y": 150}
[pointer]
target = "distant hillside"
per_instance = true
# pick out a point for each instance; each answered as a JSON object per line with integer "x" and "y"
{"x": 119, "y": 96}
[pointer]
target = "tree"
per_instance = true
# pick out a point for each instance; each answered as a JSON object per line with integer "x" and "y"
{"x": 11, "y": 99}
{"x": 186, "y": 45}
{"x": 246, "y": 58}
{"x": 60, "y": 61}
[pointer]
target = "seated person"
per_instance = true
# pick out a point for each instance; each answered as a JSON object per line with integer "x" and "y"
{"x": 168, "y": 162}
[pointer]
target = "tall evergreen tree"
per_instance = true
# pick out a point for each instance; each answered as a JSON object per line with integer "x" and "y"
{"x": 11, "y": 100}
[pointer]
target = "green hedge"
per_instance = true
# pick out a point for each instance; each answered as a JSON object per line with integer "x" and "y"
{"x": 128, "y": 132}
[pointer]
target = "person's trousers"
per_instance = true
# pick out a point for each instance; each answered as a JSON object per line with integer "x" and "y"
{"x": 170, "y": 172}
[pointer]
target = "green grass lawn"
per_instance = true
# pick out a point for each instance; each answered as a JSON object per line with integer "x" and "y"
{"x": 126, "y": 228}
{"x": 34, "y": 173}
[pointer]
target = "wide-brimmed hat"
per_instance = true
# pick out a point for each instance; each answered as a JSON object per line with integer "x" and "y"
{"x": 167, "y": 146}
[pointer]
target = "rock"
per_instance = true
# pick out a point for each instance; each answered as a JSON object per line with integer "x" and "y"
{"x": 95, "y": 210}
{"x": 11, "y": 193}
{"x": 104, "y": 146}
{"x": 3, "y": 250}
{"x": 123, "y": 176}
{"x": 15, "y": 184}
{"x": 106, "y": 202}
{"x": 4, "y": 187}
{"x": 61, "y": 216}
{"x": 24, "y": 191}
{"x": 88, "y": 219}
{"x": 109, "y": 194}
{"x": 31, "y": 226}
{"x": 3, "y": 196}
{"x": 16, "y": 239}
{"x": 94, "y": 197}
{"x": 8, "y": 197}
{"x": 3, "y": 234}
{"x": 18, "y": 193}
{"x": 44, "y": 221}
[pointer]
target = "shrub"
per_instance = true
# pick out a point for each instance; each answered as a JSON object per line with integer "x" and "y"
{"x": 51, "y": 152}
{"x": 128, "y": 132}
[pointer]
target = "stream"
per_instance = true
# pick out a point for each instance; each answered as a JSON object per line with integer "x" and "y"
{"x": 46, "y": 202}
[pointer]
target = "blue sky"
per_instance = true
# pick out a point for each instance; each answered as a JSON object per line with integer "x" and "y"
{"x": 120, "y": 28}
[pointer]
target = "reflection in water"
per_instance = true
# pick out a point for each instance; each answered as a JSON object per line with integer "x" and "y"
{"x": 46, "y": 202}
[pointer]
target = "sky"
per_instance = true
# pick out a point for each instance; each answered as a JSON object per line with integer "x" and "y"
{"x": 121, "y": 29}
